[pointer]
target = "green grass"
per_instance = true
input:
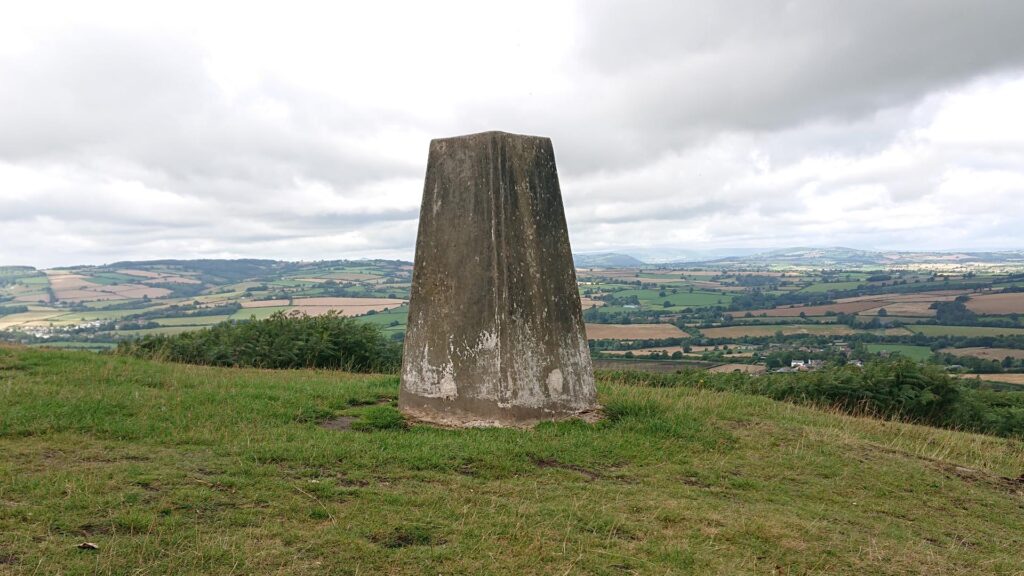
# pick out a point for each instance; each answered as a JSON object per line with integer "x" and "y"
{"x": 183, "y": 469}
{"x": 912, "y": 352}
{"x": 934, "y": 330}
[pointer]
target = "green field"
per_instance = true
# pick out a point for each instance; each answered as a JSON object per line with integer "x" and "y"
{"x": 101, "y": 304}
{"x": 161, "y": 330}
{"x": 754, "y": 330}
{"x": 385, "y": 319}
{"x": 258, "y": 313}
{"x": 914, "y": 352}
{"x": 933, "y": 330}
{"x": 682, "y": 299}
{"x": 831, "y": 286}
{"x": 174, "y": 469}
{"x": 191, "y": 320}
{"x": 79, "y": 317}
{"x": 108, "y": 278}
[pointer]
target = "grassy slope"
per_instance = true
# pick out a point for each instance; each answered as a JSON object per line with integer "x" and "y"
{"x": 179, "y": 469}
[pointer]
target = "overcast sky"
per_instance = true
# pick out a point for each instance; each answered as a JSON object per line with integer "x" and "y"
{"x": 299, "y": 131}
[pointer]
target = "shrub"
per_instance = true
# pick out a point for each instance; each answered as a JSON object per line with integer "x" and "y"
{"x": 900, "y": 388}
{"x": 281, "y": 341}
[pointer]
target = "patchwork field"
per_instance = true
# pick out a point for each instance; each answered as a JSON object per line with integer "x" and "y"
{"x": 986, "y": 353}
{"x": 911, "y": 309}
{"x": 831, "y": 286}
{"x": 844, "y": 308}
{"x": 650, "y": 298}
{"x": 770, "y": 330}
{"x": 265, "y": 303}
{"x": 77, "y": 288}
{"x": 73, "y": 303}
{"x": 258, "y": 313}
{"x": 643, "y": 351}
{"x": 938, "y": 330}
{"x": 747, "y": 368}
{"x": 26, "y": 318}
{"x": 1009, "y": 303}
{"x": 192, "y": 321}
{"x": 911, "y": 305}
{"x": 633, "y": 331}
{"x": 1007, "y": 378}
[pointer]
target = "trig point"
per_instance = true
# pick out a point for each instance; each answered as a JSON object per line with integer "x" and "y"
{"x": 495, "y": 334}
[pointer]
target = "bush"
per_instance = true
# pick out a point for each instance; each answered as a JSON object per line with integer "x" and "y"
{"x": 901, "y": 389}
{"x": 281, "y": 341}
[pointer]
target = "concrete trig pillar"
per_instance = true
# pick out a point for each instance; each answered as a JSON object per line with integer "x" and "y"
{"x": 495, "y": 334}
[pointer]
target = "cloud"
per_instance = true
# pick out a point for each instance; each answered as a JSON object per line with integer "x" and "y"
{"x": 301, "y": 133}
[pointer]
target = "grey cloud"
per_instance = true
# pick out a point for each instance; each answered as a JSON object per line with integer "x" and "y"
{"x": 666, "y": 111}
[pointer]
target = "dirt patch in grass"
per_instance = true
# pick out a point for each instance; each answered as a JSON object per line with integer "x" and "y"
{"x": 552, "y": 463}
{"x": 973, "y": 475}
{"x": 341, "y": 423}
{"x": 94, "y": 529}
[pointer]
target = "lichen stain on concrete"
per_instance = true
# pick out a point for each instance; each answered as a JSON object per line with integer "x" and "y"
{"x": 495, "y": 333}
{"x": 555, "y": 382}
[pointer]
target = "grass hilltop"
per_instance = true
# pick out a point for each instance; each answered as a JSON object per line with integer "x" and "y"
{"x": 175, "y": 469}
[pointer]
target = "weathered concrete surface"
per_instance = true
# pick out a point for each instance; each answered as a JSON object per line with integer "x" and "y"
{"x": 495, "y": 334}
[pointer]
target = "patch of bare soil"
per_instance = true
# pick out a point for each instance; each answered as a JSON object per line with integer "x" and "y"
{"x": 552, "y": 463}
{"x": 339, "y": 423}
{"x": 972, "y": 475}
{"x": 94, "y": 529}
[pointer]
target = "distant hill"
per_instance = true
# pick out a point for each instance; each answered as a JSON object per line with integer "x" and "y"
{"x": 840, "y": 257}
{"x": 606, "y": 260}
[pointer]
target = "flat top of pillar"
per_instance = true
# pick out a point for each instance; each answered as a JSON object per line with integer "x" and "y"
{"x": 487, "y": 136}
